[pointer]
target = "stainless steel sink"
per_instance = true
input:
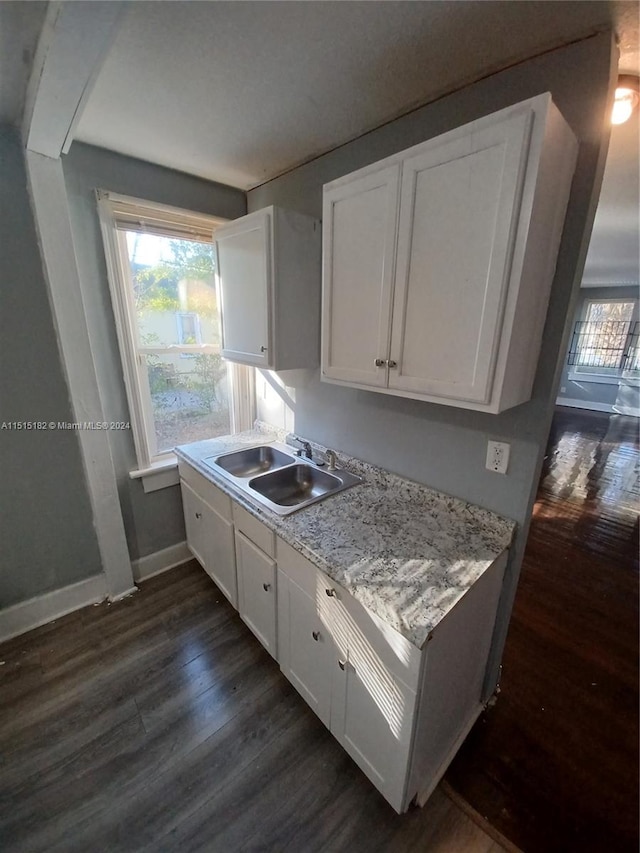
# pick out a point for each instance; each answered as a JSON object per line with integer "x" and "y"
{"x": 278, "y": 480}
{"x": 295, "y": 485}
{"x": 253, "y": 460}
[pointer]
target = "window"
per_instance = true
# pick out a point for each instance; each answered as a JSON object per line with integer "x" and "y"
{"x": 605, "y": 341}
{"x": 188, "y": 329}
{"x": 161, "y": 267}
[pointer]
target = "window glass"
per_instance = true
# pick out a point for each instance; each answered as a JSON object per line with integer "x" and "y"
{"x": 178, "y": 327}
{"x": 603, "y": 338}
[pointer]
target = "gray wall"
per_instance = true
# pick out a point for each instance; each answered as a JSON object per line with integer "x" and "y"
{"x": 152, "y": 521}
{"x": 435, "y": 444}
{"x": 46, "y": 527}
{"x": 624, "y": 396}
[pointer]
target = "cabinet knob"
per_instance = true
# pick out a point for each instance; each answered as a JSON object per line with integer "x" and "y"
{"x": 266, "y": 587}
{"x": 331, "y": 593}
{"x": 379, "y": 362}
{"x": 315, "y": 635}
{"x": 263, "y": 349}
{"x": 391, "y": 363}
{"x": 342, "y": 664}
{"x": 198, "y": 515}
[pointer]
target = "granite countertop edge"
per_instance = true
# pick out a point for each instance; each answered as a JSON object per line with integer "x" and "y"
{"x": 412, "y": 599}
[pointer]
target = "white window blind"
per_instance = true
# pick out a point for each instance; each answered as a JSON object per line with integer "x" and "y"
{"x": 132, "y": 215}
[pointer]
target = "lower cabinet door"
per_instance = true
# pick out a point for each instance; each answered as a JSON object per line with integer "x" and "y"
{"x": 257, "y": 591}
{"x": 306, "y": 648}
{"x": 210, "y": 539}
{"x": 194, "y": 509}
{"x": 372, "y": 717}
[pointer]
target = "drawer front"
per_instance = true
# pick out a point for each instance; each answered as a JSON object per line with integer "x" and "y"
{"x": 298, "y": 568}
{"x": 214, "y": 496}
{"x": 255, "y": 530}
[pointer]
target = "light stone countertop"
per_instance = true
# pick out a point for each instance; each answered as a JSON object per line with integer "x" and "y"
{"x": 405, "y": 551}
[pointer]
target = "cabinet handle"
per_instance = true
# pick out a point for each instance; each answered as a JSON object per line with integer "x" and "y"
{"x": 198, "y": 515}
{"x": 379, "y": 362}
{"x": 315, "y": 635}
{"x": 263, "y": 349}
{"x": 331, "y": 593}
{"x": 391, "y": 363}
{"x": 266, "y": 587}
{"x": 342, "y": 664}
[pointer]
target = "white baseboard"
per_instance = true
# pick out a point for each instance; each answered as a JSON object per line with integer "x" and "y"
{"x": 584, "y": 404}
{"x": 610, "y": 408}
{"x": 37, "y": 611}
{"x": 160, "y": 561}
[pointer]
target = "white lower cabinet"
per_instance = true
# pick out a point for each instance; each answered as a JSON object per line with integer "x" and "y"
{"x": 306, "y": 648}
{"x": 210, "y": 539}
{"x": 330, "y": 650}
{"x": 257, "y": 591}
{"x": 400, "y": 712}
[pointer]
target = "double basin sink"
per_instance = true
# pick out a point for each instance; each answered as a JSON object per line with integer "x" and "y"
{"x": 277, "y": 479}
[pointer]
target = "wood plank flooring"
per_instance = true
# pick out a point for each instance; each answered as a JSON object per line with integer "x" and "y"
{"x": 554, "y": 765}
{"x": 160, "y": 724}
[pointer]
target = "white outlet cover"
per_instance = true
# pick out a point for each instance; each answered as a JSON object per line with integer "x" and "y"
{"x": 498, "y": 456}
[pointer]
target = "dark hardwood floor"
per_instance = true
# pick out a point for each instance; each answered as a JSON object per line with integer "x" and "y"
{"x": 554, "y": 765}
{"x": 160, "y": 724}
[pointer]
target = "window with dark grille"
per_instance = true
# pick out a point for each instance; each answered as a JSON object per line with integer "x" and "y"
{"x": 606, "y": 341}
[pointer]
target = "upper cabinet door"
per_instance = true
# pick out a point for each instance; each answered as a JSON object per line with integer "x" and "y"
{"x": 243, "y": 254}
{"x": 359, "y": 237}
{"x": 457, "y": 226}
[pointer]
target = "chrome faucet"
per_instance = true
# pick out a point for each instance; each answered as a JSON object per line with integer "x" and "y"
{"x": 306, "y": 446}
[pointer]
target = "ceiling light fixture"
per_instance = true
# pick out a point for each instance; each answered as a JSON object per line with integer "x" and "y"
{"x": 626, "y": 99}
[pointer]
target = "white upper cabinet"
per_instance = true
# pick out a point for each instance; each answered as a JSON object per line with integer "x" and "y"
{"x": 358, "y": 255}
{"x": 439, "y": 261}
{"x": 268, "y": 268}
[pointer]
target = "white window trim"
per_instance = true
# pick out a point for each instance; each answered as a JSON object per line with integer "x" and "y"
{"x": 157, "y": 470}
{"x": 616, "y": 376}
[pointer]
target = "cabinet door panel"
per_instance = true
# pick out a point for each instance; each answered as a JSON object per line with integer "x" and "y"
{"x": 372, "y": 710}
{"x": 243, "y": 258}
{"x": 307, "y": 648}
{"x": 195, "y": 523}
{"x": 257, "y": 591}
{"x": 210, "y": 539}
{"x": 221, "y": 555}
{"x": 458, "y": 213}
{"x": 359, "y": 226}
{"x": 377, "y": 727}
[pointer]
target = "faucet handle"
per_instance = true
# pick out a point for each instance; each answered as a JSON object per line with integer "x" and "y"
{"x": 331, "y": 459}
{"x": 305, "y": 445}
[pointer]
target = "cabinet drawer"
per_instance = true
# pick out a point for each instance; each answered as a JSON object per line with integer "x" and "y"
{"x": 214, "y": 496}
{"x": 299, "y": 569}
{"x": 255, "y": 530}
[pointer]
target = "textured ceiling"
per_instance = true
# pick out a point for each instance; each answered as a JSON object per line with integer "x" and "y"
{"x": 239, "y": 92}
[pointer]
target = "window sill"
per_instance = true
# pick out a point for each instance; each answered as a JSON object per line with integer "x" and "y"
{"x": 159, "y": 475}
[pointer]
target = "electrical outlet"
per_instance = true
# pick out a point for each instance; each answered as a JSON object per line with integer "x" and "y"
{"x": 563, "y": 389}
{"x": 498, "y": 456}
